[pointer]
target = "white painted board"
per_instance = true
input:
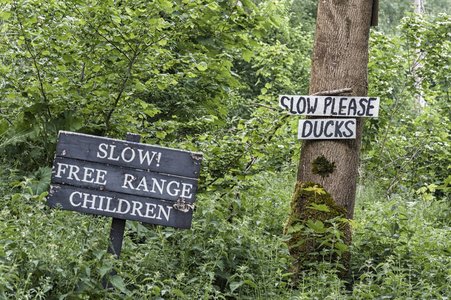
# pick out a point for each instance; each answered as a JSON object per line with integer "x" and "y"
{"x": 319, "y": 129}
{"x": 338, "y": 106}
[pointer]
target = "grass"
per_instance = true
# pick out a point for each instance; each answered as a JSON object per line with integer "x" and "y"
{"x": 235, "y": 250}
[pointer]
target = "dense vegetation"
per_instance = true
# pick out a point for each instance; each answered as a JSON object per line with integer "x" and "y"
{"x": 205, "y": 76}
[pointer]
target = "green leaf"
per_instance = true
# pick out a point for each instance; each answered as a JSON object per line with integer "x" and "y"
{"x": 247, "y": 55}
{"x": 250, "y": 283}
{"x": 295, "y": 228}
{"x": 318, "y": 190}
{"x": 156, "y": 290}
{"x": 103, "y": 270}
{"x": 342, "y": 247}
{"x": 320, "y": 207}
{"x": 234, "y": 285}
{"x": 178, "y": 292}
{"x": 160, "y": 134}
{"x": 68, "y": 58}
{"x": 161, "y": 86}
{"x": 318, "y": 226}
{"x": 5, "y": 15}
{"x": 118, "y": 283}
{"x": 202, "y": 66}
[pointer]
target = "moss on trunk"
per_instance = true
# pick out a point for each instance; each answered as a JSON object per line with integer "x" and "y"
{"x": 309, "y": 224}
{"x": 322, "y": 167}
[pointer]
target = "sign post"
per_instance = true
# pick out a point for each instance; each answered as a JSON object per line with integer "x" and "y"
{"x": 118, "y": 226}
{"x": 125, "y": 180}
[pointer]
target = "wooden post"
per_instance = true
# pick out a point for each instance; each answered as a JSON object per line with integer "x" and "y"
{"x": 118, "y": 225}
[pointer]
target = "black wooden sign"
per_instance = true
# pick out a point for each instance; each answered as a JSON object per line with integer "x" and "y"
{"x": 125, "y": 180}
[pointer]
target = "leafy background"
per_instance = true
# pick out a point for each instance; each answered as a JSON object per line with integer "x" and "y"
{"x": 205, "y": 76}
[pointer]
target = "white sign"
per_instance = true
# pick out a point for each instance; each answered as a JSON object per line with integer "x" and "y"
{"x": 315, "y": 129}
{"x": 338, "y": 106}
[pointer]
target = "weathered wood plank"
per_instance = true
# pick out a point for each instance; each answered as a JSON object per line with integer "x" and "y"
{"x": 128, "y": 154}
{"x": 323, "y": 129}
{"x": 122, "y": 179}
{"x": 336, "y": 106}
{"x": 129, "y": 207}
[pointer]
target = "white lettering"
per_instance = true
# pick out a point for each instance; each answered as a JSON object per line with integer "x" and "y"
{"x": 61, "y": 170}
{"x": 71, "y": 199}
{"x": 146, "y": 156}
{"x": 160, "y": 187}
{"x": 128, "y": 178}
{"x": 186, "y": 190}
{"x": 73, "y": 173}
{"x": 143, "y": 183}
{"x": 85, "y": 200}
{"x": 112, "y": 152}
{"x": 103, "y": 148}
{"x": 150, "y": 210}
{"x": 132, "y": 157}
{"x": 176, "y": 191}
{"x": 166, "y": 215}
{"x": 88, "y": 173}
{"x": 136, "y": 208}
{"x": 119, "y": 208}
{"x": 100, "y": 176}
{"x": 100, "y": 202}
{"x": 107, "y": 209}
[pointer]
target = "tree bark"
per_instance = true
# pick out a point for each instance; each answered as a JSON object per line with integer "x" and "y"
{"x": 339, "y": 60}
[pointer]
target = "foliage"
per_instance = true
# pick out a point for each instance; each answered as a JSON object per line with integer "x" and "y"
{"x": 408, "y": 146}
{"x": 235, "y": 250}
{"x": 181, "y": 74}
{"x": 391, "y": 12}
{"x": 204, "y": 76}
{"x": 102, "y": 69}
{"x": 318, "y": 228}
{"x": 235, "y": 247}
{"x": 396, "y": 256}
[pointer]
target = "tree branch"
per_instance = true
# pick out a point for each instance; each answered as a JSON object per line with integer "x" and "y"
{"x": 124, "y": 82}
{"x": 338, "y": 92}
{"x": 35, "y": 64}
{"x": 262, "y": 105}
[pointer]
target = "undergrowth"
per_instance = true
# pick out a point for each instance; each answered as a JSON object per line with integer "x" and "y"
{"x": 234, "y": 250}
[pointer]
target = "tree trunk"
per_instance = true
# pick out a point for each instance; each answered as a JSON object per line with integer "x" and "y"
{"x": 339, "y": 60}
{"x": 327, "y": 173}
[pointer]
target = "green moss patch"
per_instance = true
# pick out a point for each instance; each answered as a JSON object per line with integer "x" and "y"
{"x": 322, "y": 167}
{"x": 317, "y": 226}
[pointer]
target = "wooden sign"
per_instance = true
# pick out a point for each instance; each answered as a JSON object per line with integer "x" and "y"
{"x": 337, "y": 106}
{"x": 327, "y": 129}
{"x": 125, "y": 180}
